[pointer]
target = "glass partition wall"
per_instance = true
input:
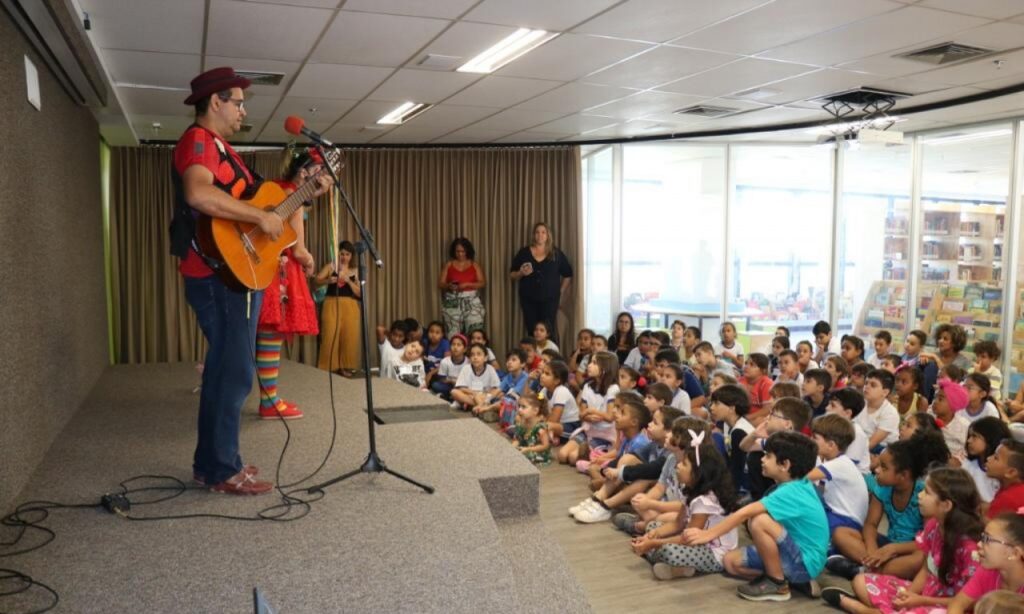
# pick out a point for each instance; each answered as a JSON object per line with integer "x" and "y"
{"x": 787, "y": 234}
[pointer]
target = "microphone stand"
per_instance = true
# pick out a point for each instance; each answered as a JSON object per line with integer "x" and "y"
{"x": 373, "y": 462}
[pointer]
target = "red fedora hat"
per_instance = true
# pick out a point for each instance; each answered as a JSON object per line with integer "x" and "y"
{"x": 213, "y": 81}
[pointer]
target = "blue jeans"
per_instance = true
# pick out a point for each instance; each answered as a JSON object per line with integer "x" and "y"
{"x": 228, "y": 322}
{"x": 790, "y": 556}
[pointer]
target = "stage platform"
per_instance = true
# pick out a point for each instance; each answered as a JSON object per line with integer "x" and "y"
{"x": 373, "y": 544}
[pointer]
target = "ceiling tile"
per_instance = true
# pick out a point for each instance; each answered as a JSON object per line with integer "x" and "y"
{"x": 767, "y": 117}
{"x": 270, "y": 31}
{"x": 411, "y": 134}
{"x": 660, "y": 65}
{"x": 525, "y": 137}
{"x": 992, "y": 9}
{"x": 356, "y": 38}
{"x": 146, "y": 68}
{"x": 328, "y": 110}
{"x": 447, "y": 9}
{"x": 146, "y": 25}
{"x": 471, "y": 135}
{"x": 748, "y": 34}
{"x": 288, "y": 69}
{"x": 663, "y": 20}
{"x": 352, "y": 132}
{"x": 874, "y": 35}
{"x": 500, "y": 92}
{"x": 323, "y": 4}
{"x": 975, "y": 110}
{"x": 517, "y": 119}
{"x": 171, "y": 126}
{"x": 571, "y": 56}
{"x": 337, "y": 81}
{"x": 541, "y": 14}
{"x": 645, "y": 103}
{"x": 980, "y": 70}
{"x": 137, "y": 101}
{"x": 574, "y": 97}
{"x": 999, "y": 83}
{"x": 575, "y": 124}
{"x": 366, "y": 113}
{"x": 936, "y": 96}
{"x": 815, "y": 84}
{"x": 634, "y": 128}
{"x": 464, "y": 40}
{"x": 422, "y": 85}
{"x": 450, "y": 116}
{"x": 736, "y": 77}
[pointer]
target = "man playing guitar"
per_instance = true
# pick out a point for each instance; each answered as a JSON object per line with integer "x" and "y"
{"x": 209, "y": 179}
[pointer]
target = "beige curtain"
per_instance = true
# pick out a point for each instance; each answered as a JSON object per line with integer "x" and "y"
{"x": 415, "y": 201}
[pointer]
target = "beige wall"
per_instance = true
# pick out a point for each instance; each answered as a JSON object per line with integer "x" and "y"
{"x": 52, "y": 305}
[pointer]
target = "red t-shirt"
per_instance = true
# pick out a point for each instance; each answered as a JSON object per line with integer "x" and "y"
{"x": 1008, "y": 499}
{"x": 200, "y": 146}
{"x": 760, "y": 391}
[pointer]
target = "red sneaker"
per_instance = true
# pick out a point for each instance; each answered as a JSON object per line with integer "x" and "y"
{"x": 242, "y": 483}
{"x": 200, "y": 479}
{"x": 290, "y": 412}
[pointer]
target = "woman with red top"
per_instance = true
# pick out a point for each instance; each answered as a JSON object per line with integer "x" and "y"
{"x": 288, "y": 307}
{"x": 460, "y": 283}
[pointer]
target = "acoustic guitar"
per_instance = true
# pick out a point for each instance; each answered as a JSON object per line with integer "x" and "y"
{"x": 251, "y": 259}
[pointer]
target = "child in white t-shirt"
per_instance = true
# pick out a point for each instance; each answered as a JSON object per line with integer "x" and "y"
{"x": 476, "y": 383}
{"x": 880, "y": 419}
{"x": 728, "y": 347}
{"x": 848, "y": 403}
{"x": 563, "y": 413}
{"x": 845, "y": 493}
{"x": 398, "y": 361}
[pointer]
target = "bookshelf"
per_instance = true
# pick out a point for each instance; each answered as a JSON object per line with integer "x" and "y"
{"x": 884, "y": 308}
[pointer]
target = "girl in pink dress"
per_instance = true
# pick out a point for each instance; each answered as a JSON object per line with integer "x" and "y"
{"x": 1001, "y": 554}
{"x": 947, "y": 543}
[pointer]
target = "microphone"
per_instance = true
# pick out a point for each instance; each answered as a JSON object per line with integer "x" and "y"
{"x": 296, "y": 125}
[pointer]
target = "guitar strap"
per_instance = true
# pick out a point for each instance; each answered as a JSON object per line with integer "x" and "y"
{"x": 183, "y": 224}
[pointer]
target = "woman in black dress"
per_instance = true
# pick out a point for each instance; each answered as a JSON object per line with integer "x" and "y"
{"x": 543, "y": 273}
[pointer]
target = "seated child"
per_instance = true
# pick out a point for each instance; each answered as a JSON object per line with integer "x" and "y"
{"x": 779, "y": 345}
{"x": 1007, "y": 466}
{"x": 1001, "y": 554}
{"x": 894, "y": 492}
{"x": 908, "y": 399}
{"x": 919, "y": 422}
{"x": 912, "y": 346}
{"x": 599, "y": 344}
{"x": 597, "y": 434}
{"x": 513, "y": 385}
{"x": 436, "y": 348}
{"x": 666, "y": 497}
{"x": 709, "y": 498}
{"x": 986, "y": 353}
{"x": 720, "y": 379}
{"x": 564, "y": 415}
{"x": 667, "y": 360}
{"x": 710, "y": 363}
{"x": 450, "y": 367}
{"x": 805, "y": 356}
{"x": 983, "y": 438}
{"x": 892, "y": 363}
{"x": 629, "y": 380}
{"x": 851, "y": 348}
{"x": 788, "y": 527}
{"x": 631, "y": 418}
{"x": 530, "y": 436}
{"x": 673, "y": 375}
{"x": 843, "y": 490}
{"x": 848, "y": 403}
{"x": 580, "y": 356}
{"x": 789, "y": 368}
{"x": 730, "y": 405}
{"x": 950, "y": 400}
{"x": 979, "y": 398}
{"x": 880, "y": 420}
{"x": 838, "y": 369}
{"x": 480, "y": 336}
{"x": 477, "y": 384}
{"x": 859, "y": 373}
{"x": 755, "y": 379}
{"x": 403, "y": 363}
{"x": 644, "y": 352}
{"x": 817, "y": 384}
{"x": 729, "y": 348}
{"x": 634, "y": 473}
{"x": 542, "y": 335}
{"x": 883, "y": 343}
{"x": 949, "y": 540}
{"x": 787, "y": 414}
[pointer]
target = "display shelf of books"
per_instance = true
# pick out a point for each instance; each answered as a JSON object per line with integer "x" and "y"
{"x": 897, "y": 242}
{"x": 1017, "y": 349}
{"x": 885, "y": 308}
{"x": 977, "y": 306}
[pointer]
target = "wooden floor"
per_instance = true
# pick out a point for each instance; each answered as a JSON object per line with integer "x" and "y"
{"x": 616, "y": 580}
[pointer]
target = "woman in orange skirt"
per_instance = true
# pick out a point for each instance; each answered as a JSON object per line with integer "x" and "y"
{"x": 339, "y": 314}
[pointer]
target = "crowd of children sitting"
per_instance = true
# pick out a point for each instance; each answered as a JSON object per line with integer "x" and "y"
{"x": 810, "y": 447}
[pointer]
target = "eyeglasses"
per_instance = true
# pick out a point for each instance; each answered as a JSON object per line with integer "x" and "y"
{"x": 775, "y": 414}
{"x": 988, "y": 539}
{"x": 239, "y": 102}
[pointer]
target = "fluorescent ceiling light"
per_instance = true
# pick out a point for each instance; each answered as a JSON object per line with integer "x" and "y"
{"x": 403, "y": 113}
{"x": 970, "y": 136}
{"x": 509, "y": 48}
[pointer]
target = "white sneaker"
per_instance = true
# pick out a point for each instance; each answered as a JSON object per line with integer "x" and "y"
{"x": 592, "y": 514}
{"x": 581, "y": 505}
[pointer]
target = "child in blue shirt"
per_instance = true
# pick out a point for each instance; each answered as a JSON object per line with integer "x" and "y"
{"x": 435, "y": 349}
{"x": 788, "y": 526}
{"x": 512, "y": 386}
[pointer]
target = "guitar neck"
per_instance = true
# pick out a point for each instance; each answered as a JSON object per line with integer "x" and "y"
{"x": 291, "y": 204}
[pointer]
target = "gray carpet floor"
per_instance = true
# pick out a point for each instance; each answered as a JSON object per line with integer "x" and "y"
{"x": 373, "y": 544}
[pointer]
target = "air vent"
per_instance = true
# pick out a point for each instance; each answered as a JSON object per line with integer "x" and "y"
{"x": 440, "y": 62}
{"x": 703, "y": 110}
{"x": 261, "y": 78}
{"x": 863, "y": 96}
{"x": 946, "y": 53}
